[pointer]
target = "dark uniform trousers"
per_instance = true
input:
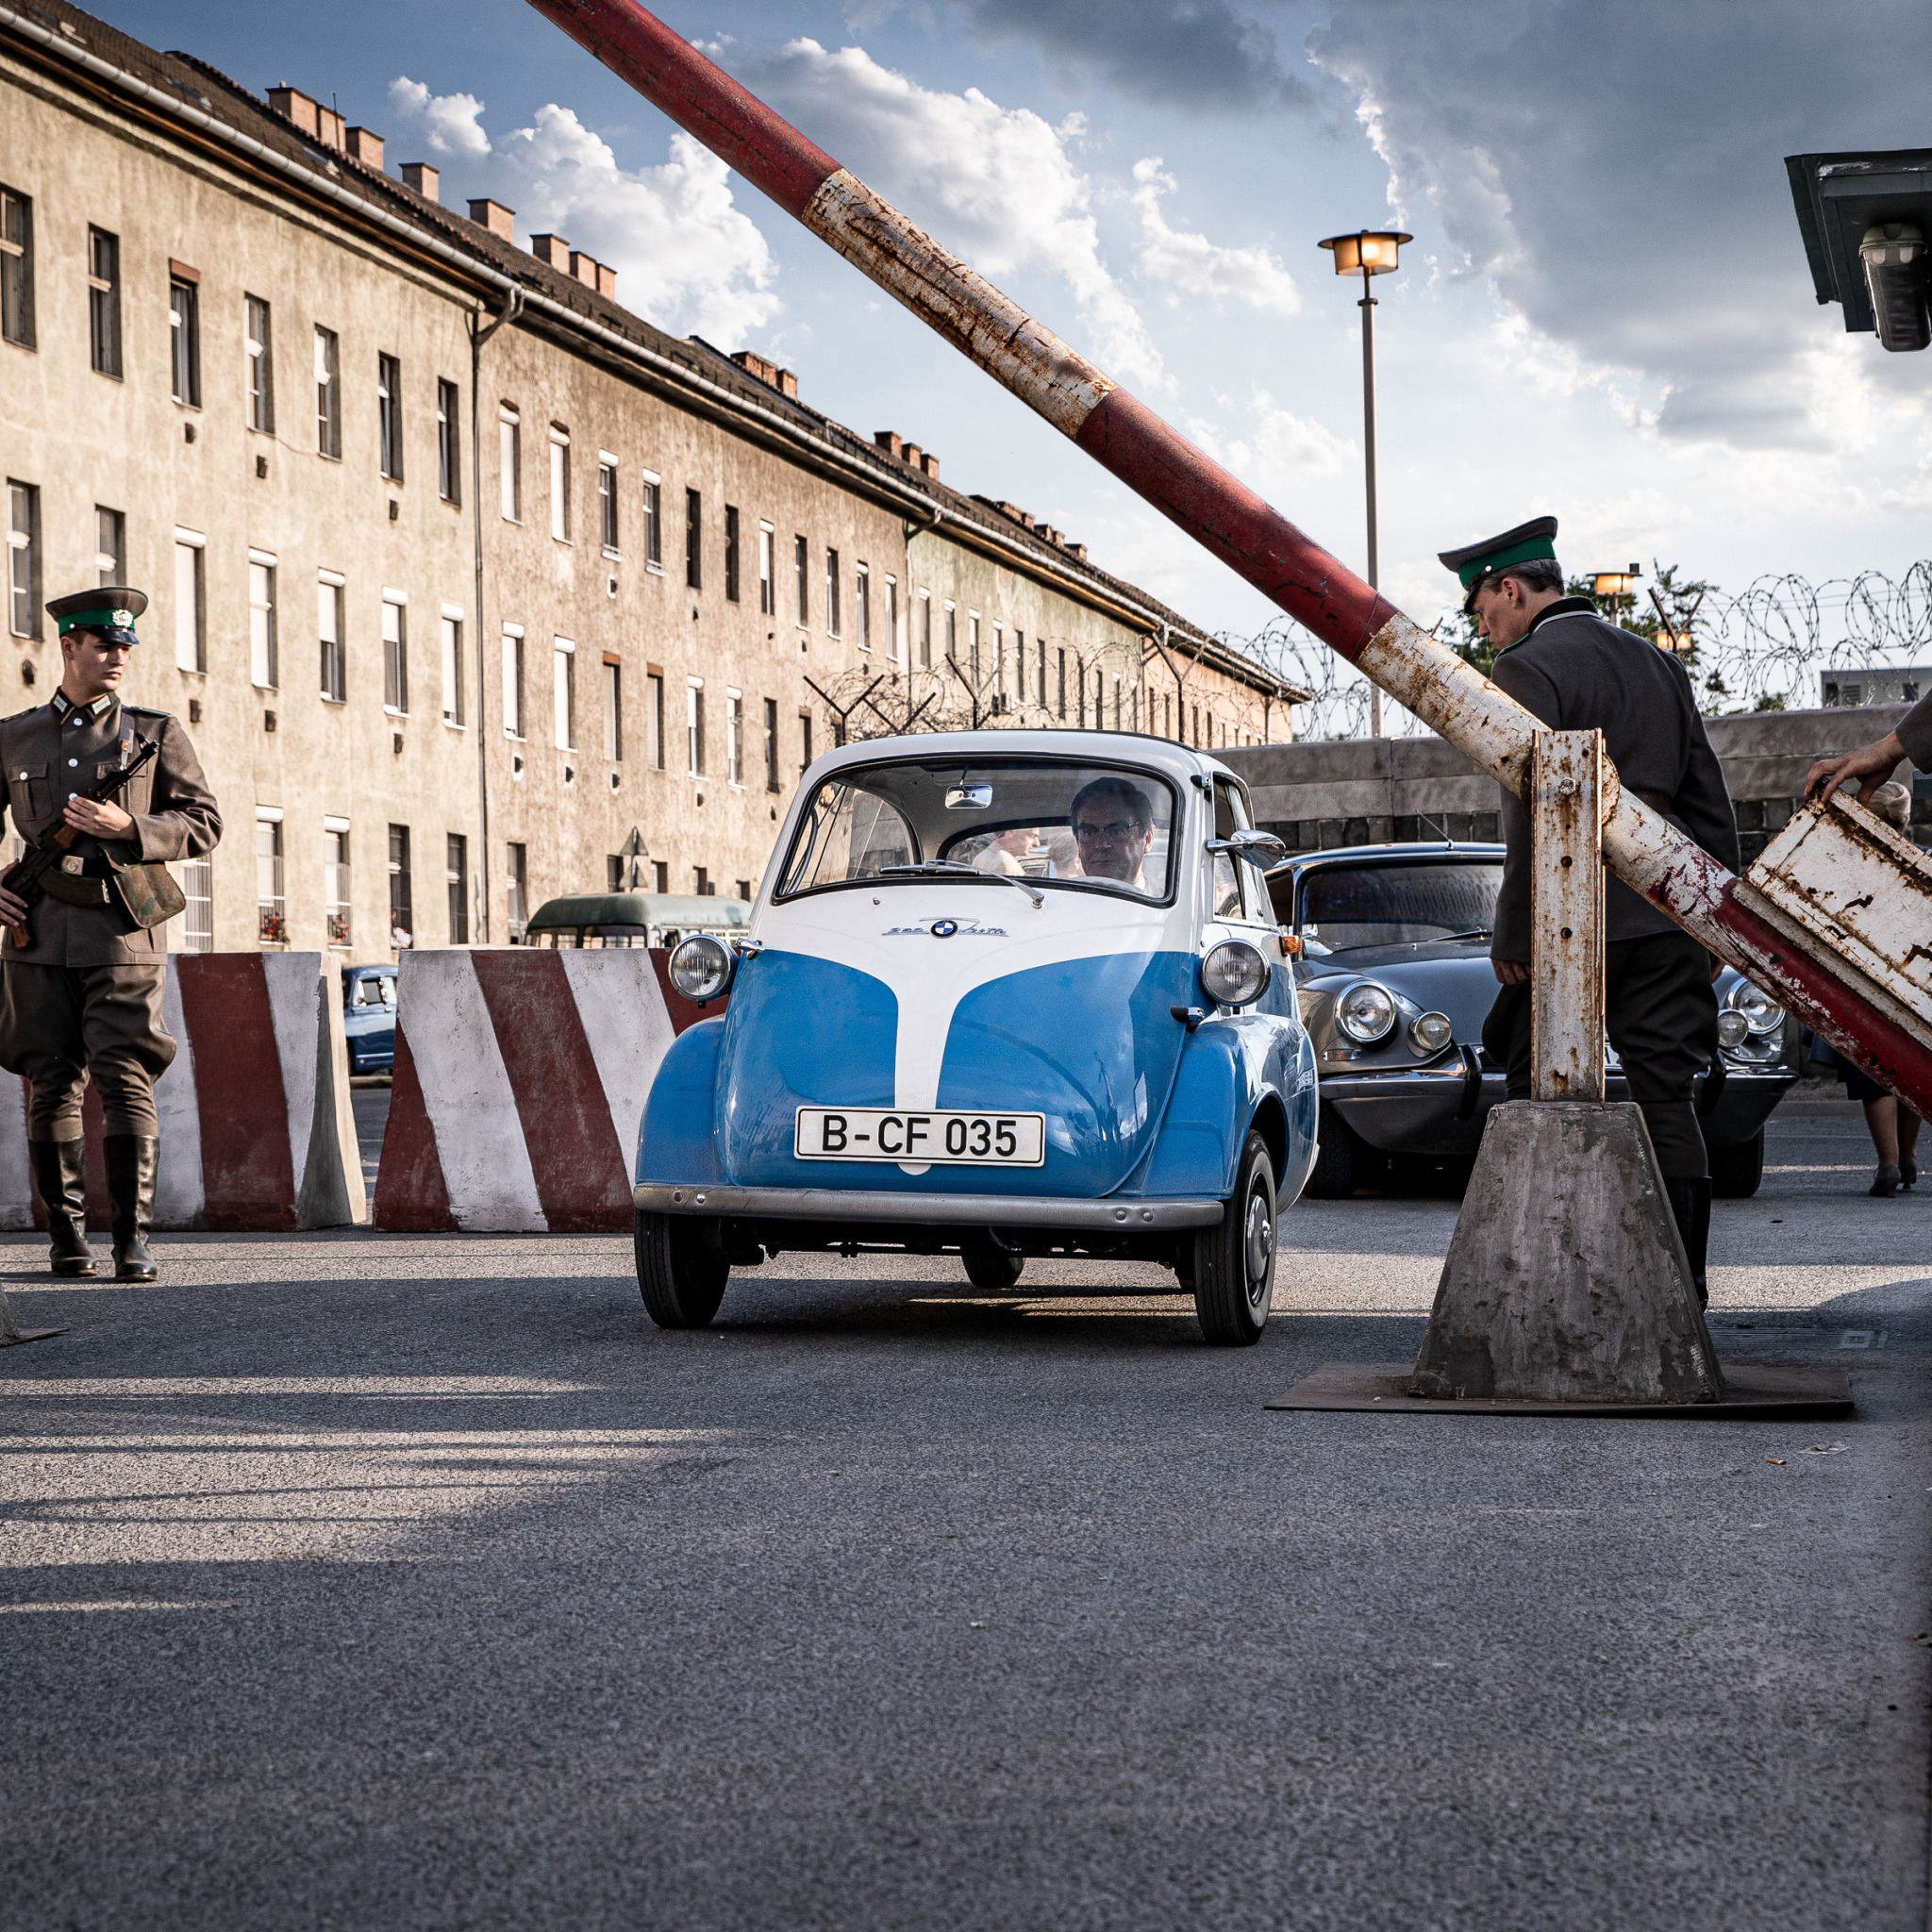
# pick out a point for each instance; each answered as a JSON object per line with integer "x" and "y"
{"x": 72, "y": 1023}
{"x": 1660, "y": 1013}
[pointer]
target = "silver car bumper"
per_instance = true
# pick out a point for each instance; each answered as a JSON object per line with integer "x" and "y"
{"x": 970, "y": 1210}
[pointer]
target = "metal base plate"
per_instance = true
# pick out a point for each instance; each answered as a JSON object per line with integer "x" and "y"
{"x": 1762, "y": 1394}
{"x": 21, "y": 1335}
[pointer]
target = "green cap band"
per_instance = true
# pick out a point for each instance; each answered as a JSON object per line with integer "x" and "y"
{"x": 1528, "y": 551}
{"x": 99, "y": 617}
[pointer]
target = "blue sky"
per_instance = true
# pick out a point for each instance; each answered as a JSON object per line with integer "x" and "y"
{"x": 1605, "y": 311}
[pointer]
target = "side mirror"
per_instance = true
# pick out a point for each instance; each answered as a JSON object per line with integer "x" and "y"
{"x": 1257, "y": 848}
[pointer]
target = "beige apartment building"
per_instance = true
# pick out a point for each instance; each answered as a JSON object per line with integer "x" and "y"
{"x": 460, "y": 573}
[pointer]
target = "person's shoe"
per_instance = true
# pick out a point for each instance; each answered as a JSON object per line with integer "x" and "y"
{"x": 1690, "y": 1202}
{"x": 131, "y": 1162}
{"x": 61, "y": 1175}
{"x": 1887, "y": 1184}
{"x": 1908, "y": 1172}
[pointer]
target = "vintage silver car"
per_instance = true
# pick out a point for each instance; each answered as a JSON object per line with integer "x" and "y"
{"x": 1395, "y": 980}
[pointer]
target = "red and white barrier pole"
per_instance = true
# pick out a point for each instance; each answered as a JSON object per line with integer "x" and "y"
{"x": 1220, "y": 512}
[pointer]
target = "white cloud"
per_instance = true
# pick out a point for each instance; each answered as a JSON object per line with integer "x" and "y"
{"x": 1194, "y": 265}
{"x": 997, "y": 185}
{"x": 687, "y": 256}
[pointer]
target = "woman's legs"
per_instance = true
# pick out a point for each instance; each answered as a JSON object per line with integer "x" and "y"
{"x": 1881, "y": 1118}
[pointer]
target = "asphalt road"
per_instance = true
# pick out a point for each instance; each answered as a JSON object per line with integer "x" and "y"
{"x": 409, "y": 1582}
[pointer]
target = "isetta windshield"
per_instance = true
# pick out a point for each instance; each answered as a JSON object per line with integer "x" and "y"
{"x": 1050, "y": 822}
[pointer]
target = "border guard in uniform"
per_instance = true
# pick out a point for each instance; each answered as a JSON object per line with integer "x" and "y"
{"x": 1559, "y": 658}
{"x": 80, "y": 990}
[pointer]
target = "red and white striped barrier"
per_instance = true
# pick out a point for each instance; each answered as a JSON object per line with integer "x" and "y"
{"x": 257, "y": 1133}
{"x": 520, "y": 1079}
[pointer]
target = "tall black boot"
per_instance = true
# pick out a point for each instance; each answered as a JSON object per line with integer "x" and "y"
{"x": 1690, "y": 1204}
{"x": 60, "y": 1170}
{"x": 131, "y": 1159}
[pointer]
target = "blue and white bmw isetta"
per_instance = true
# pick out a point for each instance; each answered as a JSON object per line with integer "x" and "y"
{"x": 1004, "y": 995}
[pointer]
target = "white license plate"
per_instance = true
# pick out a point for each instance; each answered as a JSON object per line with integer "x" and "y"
{"x": 947, "y": 1139}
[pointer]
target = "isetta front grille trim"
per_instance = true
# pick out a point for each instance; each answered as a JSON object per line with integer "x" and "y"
{"x": 970, "y": 1210}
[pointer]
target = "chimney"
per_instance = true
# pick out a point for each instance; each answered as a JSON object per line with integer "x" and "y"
{"x": 365, "y": 147}
{"x": 910, "y": 453}
{"x": 1078, "y": 550}
{"x": 553, "y": 251}
{"x": 888, "y": 440}
{"x": 788, "y": 384}
{"x": 421, "y": 178}
{"x": 329, "y": 128}
{"x": 607, "y": 282}
{"x": 294, "y": 106}
{"x": 583, "y": 267}
{"x": 494, "y": 216}
{"x": 930, "y": 464}
{"x": 754, "y": 364}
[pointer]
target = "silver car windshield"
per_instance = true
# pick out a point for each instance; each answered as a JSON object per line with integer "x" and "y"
{"x": 1053, "y": 823}
{"x": 1345, "y": 907}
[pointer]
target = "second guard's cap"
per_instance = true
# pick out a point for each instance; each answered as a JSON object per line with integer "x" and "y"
{"x": 1526, "y": 543}
{"x": 110, "y": 610}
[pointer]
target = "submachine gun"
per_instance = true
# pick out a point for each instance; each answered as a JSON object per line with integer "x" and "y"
{"x": 24, "y": 878}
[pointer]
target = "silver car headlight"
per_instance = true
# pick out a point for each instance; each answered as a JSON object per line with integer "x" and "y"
{"x": 1733, "y": 1030}
{"x": 701, "y": 967}
{"x": 1432, "y": 1032}
{"x": 1366, "y": 1012}
{"x": 1234, "y": 973}
{"x": 1762, "y": 1013}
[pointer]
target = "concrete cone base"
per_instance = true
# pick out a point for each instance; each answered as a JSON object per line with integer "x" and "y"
{"x": 1753, "y": 1394}
{"x": 12, "y": 1334}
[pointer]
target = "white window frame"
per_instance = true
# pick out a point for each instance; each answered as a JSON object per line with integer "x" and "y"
{"x": 191, "y": 640}
{"x": 608, "y": 504}
{"x": 559, "y": 483}
{"x": 694, "y": 726}
{"x": 653, "y": 500}
{"x": 734, "y": 738}
{"x": 563, "y": 704}
{"x": 509, "y": 459}
{"x": 397, "y": 601}
{"x": 330, "y": 614}
{"x": 513, "y": 681}
{"x": 861, "y": 606}
{"x": 768, "y": 568}
{"x": 451, "y": 632}
{"x": 263, "y": 668}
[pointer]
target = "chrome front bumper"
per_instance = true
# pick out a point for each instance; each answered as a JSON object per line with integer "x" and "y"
{"x": 966, "y": 1211}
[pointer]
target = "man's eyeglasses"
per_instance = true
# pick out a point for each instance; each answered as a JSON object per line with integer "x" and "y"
{"x": 1119, "y": 829}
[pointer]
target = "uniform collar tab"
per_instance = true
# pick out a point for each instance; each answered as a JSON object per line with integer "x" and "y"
{"x": 98, "y": 708}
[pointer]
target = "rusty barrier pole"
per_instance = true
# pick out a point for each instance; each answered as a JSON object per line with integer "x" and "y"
{"x": 1223, "y": 515}
{"x": 1566, "y": 917}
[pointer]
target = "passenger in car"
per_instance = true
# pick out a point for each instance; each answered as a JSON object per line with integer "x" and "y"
{"x": 1063, "y": 855}
{"x": 1007, "y": 851}
{"x": 1113, "y": 823}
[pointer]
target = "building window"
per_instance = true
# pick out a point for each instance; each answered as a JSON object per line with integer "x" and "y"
{"x": 606, "y": 504}
{"x": 111, "y": 546}
{"x": 972, "y": 650}
{"x": 861, "y": 606}
{"x": 509, "y": 452}
{"x": 16, "y": 268}
{"x": 660, "y": 875}
{"x": 458, "y": 877}
{"x": 768, "y": 569}
{"x": 804, "y": 742}
{"x": 951, "y": 638}
{"x": 1040, "y": 650}
{"x": 190, "y": 626}
{"x": 449, "y": 443}
{"x": 653, "y": 523}
{"x": 771, "y": 744}
{"x": 271, "y": 901}
{"x": 328, "y": 396}
{"x": 23, "y": 559}
{"x": 745, "y": 888}
{"x": 262, "y": 365}
{"x": 104, "y": 301}
{"x": 801, "y": 557}
{"x": 388, "y": 415}
{"x": 184, "y": 319}
{"x": 328, "y": 627}
{"x": 734, "y": 736}
{"x": 452, "y": 669}
{"x": 694, "y": 541}
{"x": 262, "y": 665}
{"x": 732, "y": 553}
{"x": 654, "y": 721}
{"x": 1061, "y": 706}
{"x": 395, "y": 654}
{"x": 335, "y": 882}
{"x": 613, "y": 709}
{"x": 694, "y": 726}
{"x": 512, "y": 681}
{"x": 832, "y": 592}
{"x": 564, "y": 664}
{"x": 892, "y": 619}
{"x": 924, "y": 605}
{"x": 198, "y": 920}
{"x": 518, "y": 869}
{"x": 402, "y": 912}
{"x": 559, "y": 483}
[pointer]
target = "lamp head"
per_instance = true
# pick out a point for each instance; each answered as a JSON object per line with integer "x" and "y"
{"x": 1368, "y": 252}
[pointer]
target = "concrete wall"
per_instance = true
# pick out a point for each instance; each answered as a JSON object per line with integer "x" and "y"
{"x": 1367, "y": 791}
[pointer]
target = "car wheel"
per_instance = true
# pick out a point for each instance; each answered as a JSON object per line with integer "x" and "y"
{"x": 1736, "y": 1171}
{"x": 680, "y": 1272}
{"x": 991, "y": 1267}
{"x": 1336, "y": 1173}
{"x": 1234, "y": 1263}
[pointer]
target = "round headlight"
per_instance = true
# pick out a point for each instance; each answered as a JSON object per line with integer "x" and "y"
{"x": 1761, "y": 1012}
{"x": 1234, "y": 974}
{"x": 701, "y": 967}
{"x": 1432, "y": 1032}
{"x": 1366, "y": 1012}
{"x": 1733, "y": 1029}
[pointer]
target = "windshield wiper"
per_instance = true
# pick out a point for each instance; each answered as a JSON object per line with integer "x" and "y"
{"x": 954, "y": 868}
{"x": 1449, "y": 938}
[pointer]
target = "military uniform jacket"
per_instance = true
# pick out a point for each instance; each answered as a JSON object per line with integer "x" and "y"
{"x": 54, "y": 749}
{"x": 1576, "y": 672}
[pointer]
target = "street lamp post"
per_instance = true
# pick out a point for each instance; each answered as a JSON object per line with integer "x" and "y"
{"x": 1616, "y": 585}
{"x": 1367, "y": 253}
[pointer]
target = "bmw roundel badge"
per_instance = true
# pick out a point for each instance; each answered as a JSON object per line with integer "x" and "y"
{"x": 944, "y": 928}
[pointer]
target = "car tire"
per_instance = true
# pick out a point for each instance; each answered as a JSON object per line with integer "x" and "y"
{"x": 680, "y": 1272}
{"x": 1234, "y": 1263}
{"x": 1736, "y": 1171}
{"x": 992, "y": 1268}
{"x": 1336, "y": 1173}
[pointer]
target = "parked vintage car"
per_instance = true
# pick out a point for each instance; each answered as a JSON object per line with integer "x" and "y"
{"x": 1005, "y": 994}
{"x": 1394, "y": 977}
{"x": 633, "y": 919}
{"x": 369, "y": 1017}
